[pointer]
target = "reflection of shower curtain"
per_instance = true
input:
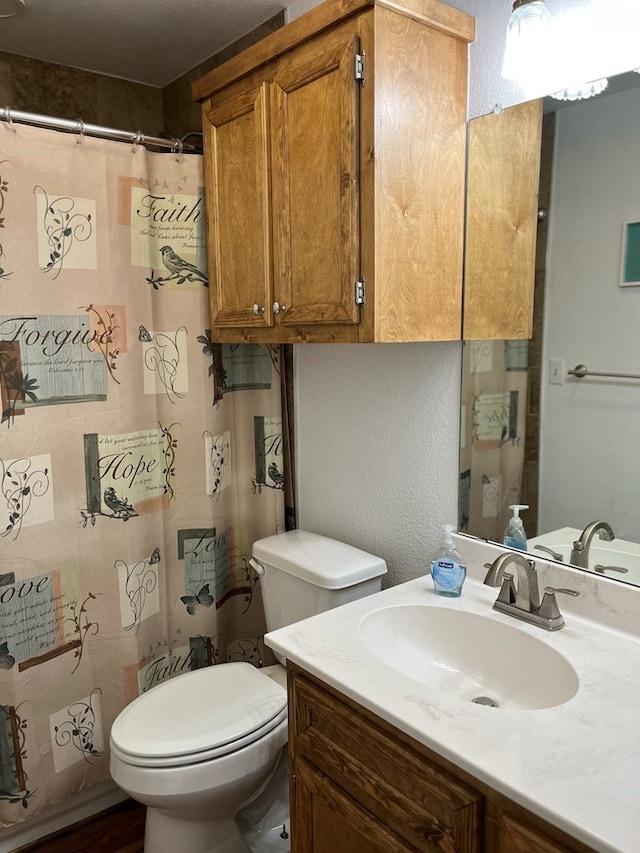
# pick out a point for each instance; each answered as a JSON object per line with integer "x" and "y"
{"x": 137, "y": 461}
{"x": 494, "y": 402}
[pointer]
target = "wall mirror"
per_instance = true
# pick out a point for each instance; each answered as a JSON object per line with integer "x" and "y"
{"x": 532, "y": 433}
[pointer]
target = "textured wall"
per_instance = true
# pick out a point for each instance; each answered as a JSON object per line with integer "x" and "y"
{"x": 377, "y": 446}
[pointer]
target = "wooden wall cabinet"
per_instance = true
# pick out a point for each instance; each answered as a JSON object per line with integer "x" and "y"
{"x": 502, "y": 217}
{"x": 334, "y": 169}
{"x": 358, "y": 785}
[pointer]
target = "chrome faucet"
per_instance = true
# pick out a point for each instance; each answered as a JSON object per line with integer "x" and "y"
{"x": 524, "y": 602}
{"x": 580, "y": 552}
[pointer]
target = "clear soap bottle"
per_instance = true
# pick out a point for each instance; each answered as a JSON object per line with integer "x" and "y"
{"x": 514, "y": 535}
{"x": 447, "y": 568}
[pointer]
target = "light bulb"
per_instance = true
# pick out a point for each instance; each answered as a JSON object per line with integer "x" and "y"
{"x": 528, "y": 33}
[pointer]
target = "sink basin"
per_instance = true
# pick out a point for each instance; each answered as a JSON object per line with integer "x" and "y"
{"x": 470, "y": 657}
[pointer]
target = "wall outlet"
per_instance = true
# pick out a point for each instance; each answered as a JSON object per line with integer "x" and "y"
{"x": 556, "y": 371}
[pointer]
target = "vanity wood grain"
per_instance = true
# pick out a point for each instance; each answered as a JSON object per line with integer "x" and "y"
{"x": 358, "y": 785}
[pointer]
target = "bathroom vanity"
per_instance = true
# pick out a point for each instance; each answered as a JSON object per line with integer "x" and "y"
{"x": 361, "y": 785}
{"x": 387, "y": 752}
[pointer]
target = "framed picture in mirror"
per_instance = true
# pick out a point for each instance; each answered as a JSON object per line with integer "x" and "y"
{"x": 630, "y": 265}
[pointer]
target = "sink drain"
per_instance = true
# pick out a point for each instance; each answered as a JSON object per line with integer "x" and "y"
{"x": 485, "y": 700}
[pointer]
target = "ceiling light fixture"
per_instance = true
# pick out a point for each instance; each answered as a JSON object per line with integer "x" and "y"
{"x": 580, "y": 91}
{"x": 9, "y": 8}
{"x": 528, "y": 34}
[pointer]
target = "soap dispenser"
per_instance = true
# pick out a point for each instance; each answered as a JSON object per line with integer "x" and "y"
{"x": 514, "y": 535}
{"x": 447, "y": 569}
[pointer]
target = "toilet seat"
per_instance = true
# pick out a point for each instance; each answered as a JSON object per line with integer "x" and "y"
{"x": 199, "y": 716}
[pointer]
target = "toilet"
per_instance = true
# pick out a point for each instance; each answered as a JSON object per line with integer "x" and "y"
{"x": 198, "y": 748}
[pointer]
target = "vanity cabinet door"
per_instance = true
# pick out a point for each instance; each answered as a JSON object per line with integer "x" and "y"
{"x": 515, "y": 837}
{"x": 329, "y": 821}
{"x": 339, "y": 756}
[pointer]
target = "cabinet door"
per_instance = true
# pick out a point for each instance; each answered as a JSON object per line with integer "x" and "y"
{"x": 517, "y": 838}
{"x": 315, "y": 188}
{"x": 423, "y": 807}
{"x": 327, "y": 820}
{"x": 239, "y": 209}
{"x": 502, "y": 216}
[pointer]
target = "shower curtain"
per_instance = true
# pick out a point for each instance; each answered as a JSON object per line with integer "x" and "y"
{"x": 138, "y": 462}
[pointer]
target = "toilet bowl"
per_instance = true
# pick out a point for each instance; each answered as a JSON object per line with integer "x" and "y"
{"x": 200, "y": 747}
{"x": 197, "y": 748}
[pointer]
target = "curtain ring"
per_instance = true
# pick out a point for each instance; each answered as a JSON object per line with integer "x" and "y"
{"x": 80, "y": 138}
{"x": 9, "y": 120}
{"x": 178, "y": 148}
{"x": 138, "y": 140}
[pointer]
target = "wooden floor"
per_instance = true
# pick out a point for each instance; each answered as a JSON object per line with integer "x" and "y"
{"x": 117, "y": 830}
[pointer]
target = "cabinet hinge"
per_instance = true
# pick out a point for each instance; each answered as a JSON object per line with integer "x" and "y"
{"x": 360, "y": 293}
{"x": 359, "y": 69}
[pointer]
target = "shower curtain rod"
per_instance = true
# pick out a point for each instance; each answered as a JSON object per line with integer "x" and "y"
{"x": 85, "y": 129}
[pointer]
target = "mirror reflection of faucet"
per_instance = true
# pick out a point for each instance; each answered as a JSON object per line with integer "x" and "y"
{"x": 602, "y": 569}
{"x": 555, "y": 554}
{"x": 523, "y": 602}
{"x": 580, "y": 551}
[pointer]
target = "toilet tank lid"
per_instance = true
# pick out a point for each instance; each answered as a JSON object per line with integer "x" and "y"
{"x": 317, "y": 559}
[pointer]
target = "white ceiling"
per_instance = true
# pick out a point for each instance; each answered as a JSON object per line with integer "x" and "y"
{"x": 148, "y": 41}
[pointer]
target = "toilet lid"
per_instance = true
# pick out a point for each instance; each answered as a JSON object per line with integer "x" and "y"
{"x": 198, "y": 715}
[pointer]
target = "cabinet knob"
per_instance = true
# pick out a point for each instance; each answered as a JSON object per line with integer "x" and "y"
{"x": 278, "y": 309}
{"x": 257, "y": 309}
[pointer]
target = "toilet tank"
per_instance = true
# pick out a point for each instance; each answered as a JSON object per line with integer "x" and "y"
{"x": 303, "y": 573}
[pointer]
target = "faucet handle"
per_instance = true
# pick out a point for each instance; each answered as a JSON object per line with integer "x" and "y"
{"x": 507, "y": 593}
{"x": 561, "y": 589}
{"x": 549, "y": 608}
{"x": 602, "y": 569}
{"x": 555, "y": 554}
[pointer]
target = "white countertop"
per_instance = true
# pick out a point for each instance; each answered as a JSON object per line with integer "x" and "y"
{"x": 576, "y": 765}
